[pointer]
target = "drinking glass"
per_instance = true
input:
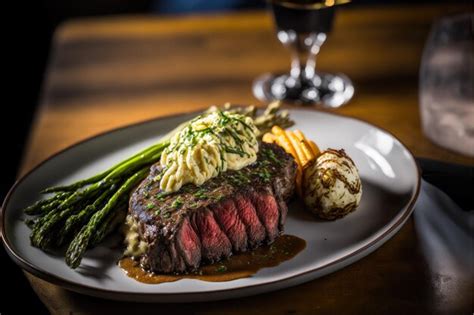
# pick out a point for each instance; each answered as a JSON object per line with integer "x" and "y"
{"x": 446, "y": 84}
{"x": 302, "y": 26}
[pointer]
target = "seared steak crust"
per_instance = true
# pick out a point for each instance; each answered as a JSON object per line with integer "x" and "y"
{"x": 236, "y": 211}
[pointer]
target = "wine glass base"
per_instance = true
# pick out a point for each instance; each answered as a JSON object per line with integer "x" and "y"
{"x": 328, "y": 90}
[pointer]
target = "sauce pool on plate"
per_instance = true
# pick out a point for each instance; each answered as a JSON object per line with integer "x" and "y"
{"x": 241, "y": 265}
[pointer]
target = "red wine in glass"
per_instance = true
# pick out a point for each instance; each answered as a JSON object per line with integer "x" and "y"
{"x": 301, "y": 17}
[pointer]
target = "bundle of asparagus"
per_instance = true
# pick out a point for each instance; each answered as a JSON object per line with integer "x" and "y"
{"x": 80, "y": 215}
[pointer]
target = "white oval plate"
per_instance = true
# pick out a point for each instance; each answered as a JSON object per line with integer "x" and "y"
{"x": 390, "y": 186}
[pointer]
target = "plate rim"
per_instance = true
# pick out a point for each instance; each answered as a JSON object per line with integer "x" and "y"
{"x": 90, "y": 290}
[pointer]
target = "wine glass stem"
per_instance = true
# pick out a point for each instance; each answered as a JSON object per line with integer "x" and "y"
{"x": 304, "y": 48}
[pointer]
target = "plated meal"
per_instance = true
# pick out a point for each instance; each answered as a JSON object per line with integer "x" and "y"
{"x": 216, "y": 187}
{"x": 231, "y": 202}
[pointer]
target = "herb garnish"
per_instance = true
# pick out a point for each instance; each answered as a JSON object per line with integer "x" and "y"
{"x": 161, "y": 195}
{"x": 200, "y": 194}
{"x": 265, "y": 175}
{"x": 272, "y": 156}
{"x": 177, "y": 203}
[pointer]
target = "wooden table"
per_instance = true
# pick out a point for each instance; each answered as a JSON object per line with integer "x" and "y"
{"x": 109, "y": 72}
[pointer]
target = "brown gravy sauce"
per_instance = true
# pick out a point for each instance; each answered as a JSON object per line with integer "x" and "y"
{"x": 238, "y": 266}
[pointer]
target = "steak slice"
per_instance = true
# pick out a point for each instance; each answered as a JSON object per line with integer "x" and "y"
{"x": 189, "y": 244}
{"x": 233, "y": 212}
{"x": 228, "y": 218}
{"x": 247, "y": 213}
{"x": 214, "y": 243}
{"x": 267, "y": 211}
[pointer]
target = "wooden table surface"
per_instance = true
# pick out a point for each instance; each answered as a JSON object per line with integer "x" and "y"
{"x": 109, "y": 72}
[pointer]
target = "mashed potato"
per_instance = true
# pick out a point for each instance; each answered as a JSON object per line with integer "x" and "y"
{"x": 134, "y": 245}
{"x": 210, "y": 144}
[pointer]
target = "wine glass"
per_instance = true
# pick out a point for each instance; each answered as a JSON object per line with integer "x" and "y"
{"x": 303, "y": 26}
{"x": 447, "y": 84}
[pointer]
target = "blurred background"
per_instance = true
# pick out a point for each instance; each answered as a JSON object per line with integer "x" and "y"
{"x": 29, "y": 46}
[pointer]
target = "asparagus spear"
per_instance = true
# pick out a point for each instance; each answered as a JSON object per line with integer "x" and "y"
{"x": 80, "y": 243}
{"x": 30, "y": 222}
{"x": 271, "y": 117}
{"x": 43, "y": 236}
{"x": 39, "y": 223}
{"x": 109, "y": 224}
{"x": 121, "y": 170}
{"x": 154, "y": 150}
{"x": 74, "y": 222}
{"x": 40, "y": 206}
{"x": 142, "y": 154}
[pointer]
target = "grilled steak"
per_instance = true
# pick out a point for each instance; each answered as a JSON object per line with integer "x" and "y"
{"x": 234, "y": 212}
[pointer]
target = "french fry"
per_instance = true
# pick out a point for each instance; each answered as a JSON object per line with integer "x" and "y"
{"x": 314, "y": 148}
{"x": 269, "y": 138}
{"x": 277, "y": 130}
{"x": 295, "y": 143}
{"x": 285, "y": 143}
{"x": 300, "y": 135}
{"x": 307, "y": 150}
{"x": 304, "y": 143}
